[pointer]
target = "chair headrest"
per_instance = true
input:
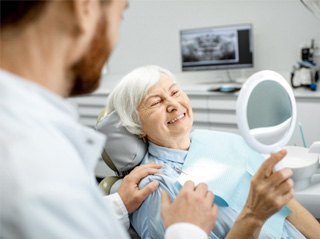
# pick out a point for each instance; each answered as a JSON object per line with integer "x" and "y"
{"x": 125, "y": 150}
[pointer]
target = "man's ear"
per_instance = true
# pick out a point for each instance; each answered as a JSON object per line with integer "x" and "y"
{"x": 86, "y": 14}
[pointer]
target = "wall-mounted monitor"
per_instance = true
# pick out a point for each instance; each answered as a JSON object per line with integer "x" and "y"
{"x": 223, "y": 47}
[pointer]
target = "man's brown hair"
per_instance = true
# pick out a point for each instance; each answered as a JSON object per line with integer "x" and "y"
{"x": 18, "y": 12}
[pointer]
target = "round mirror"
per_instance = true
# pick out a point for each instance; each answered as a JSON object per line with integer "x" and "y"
{"x": 266, "y": 111}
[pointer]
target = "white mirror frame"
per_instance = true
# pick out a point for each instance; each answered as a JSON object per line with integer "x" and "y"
{"x": 241, "y": 111}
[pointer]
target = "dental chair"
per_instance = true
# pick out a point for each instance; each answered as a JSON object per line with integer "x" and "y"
{"x": 122, "y": 152}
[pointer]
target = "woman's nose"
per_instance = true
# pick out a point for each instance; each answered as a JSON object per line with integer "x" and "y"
{"x": 172, "y": 105}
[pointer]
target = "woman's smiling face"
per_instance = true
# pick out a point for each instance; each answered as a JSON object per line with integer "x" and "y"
{"x": 166, "y": 115}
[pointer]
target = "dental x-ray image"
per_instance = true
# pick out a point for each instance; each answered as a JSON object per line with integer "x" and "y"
{"x": 216, "y": 46}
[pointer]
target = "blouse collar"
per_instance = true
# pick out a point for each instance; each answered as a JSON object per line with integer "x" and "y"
{"x": 167, "y": 154}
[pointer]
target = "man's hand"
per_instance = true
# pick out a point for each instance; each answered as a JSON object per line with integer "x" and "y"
{"x": 193, "y": 205}
{"x": 269, "y": 190}
{"x": 129, "y": 191}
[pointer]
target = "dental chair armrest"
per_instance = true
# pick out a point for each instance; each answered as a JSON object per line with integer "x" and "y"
{"x": 110, "y": 184}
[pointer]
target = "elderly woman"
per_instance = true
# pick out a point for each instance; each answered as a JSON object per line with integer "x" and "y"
{"x": 151, "y": 105}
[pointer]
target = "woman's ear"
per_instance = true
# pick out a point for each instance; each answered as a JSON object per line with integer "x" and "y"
{"x": 143, "y": 136}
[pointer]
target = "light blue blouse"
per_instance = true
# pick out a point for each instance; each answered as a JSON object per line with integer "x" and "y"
{"x": 147, "y": 220}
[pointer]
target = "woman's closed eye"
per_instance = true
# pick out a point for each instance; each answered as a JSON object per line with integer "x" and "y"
{"x": 155, "y": 103}
{"x": 175, "y": 92}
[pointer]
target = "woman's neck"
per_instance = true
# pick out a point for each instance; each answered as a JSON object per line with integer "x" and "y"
{"x": 182, "y": 143}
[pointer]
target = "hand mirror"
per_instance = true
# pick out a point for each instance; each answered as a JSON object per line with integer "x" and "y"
{"x": 266, "y": 112}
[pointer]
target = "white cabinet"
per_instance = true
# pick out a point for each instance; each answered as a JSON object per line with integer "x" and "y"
{"x": 214, "y": 111}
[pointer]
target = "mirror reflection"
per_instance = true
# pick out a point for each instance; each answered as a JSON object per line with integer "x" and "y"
{"x": 269, "y": 112}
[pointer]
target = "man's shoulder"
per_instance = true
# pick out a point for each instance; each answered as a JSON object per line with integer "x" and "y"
{"x": 35, "y": 150}
{"x": 31, "y": 138}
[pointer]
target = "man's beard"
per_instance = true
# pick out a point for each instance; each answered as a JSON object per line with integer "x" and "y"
{"x": 87, "y": 71}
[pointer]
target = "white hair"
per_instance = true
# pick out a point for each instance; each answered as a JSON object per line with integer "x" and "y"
{"x": 130, "y": 91}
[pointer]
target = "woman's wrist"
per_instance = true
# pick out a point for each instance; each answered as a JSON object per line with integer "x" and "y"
{"x": 246, "y": 226}
{"x": 248, "y": 216}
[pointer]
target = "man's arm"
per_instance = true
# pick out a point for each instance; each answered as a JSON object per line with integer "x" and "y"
{"x": 184, "y": 230}
{"x": 129, "y": 196}
{"x": 120, "y": 210}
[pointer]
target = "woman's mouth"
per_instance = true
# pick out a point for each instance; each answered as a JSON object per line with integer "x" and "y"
{"x": 179, "y": 117}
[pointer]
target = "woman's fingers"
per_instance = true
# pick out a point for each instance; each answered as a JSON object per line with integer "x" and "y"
{"x": 285, "y": 187}
{"x": 266, "y": 169}
{"x": 284, "y": 190}
{"x": 279, "y": 177}
{"x": 270, "y": 191}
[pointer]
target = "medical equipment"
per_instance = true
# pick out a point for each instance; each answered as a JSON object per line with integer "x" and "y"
{"x": 305, "y": 166}
{"x": 306, "y": 172}
{"x": 302, "y": 134}
{"x": 306, "y": 72}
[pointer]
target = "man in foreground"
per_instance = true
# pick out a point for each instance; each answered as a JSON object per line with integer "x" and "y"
{"x": 51, "y": 50}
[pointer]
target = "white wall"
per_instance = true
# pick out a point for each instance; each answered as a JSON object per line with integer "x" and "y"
{"x": 150, "y": 34}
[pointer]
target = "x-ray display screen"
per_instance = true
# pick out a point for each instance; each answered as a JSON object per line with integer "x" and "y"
{"x": 217, "y": 47}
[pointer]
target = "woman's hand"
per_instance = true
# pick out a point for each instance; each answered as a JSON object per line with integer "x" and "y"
{"x": 269, "y": 191}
